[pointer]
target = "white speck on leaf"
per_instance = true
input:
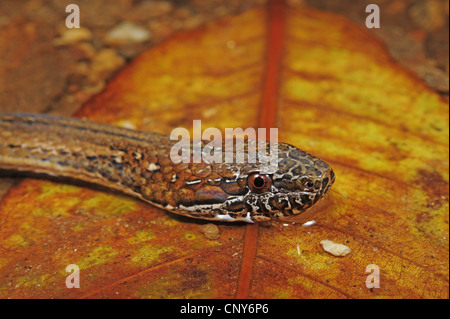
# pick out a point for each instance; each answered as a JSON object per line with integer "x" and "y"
{"x": 335, "y": 248}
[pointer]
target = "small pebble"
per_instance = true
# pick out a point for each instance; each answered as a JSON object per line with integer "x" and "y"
{"x": 104, "y": 63}
{"x": 429, "y": 15}
{"x": 335, "y": 248}
{"x": 211, "y": 231}
{"x": 71, "y": 36}
{"x": 127, "y": 32}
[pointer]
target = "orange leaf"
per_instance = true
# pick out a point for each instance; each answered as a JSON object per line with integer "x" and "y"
{"x": 332, "y": 90}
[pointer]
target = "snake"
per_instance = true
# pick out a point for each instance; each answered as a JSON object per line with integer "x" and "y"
{"x": 138, "y": 163}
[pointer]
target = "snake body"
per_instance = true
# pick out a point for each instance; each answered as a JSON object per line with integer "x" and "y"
{"x": 138, "y": 163}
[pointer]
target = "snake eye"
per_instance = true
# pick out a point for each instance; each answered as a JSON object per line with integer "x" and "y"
{"x": 309, "y": 184}
{"x": 259, "y": 183}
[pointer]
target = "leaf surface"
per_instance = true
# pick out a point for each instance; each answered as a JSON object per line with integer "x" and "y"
{"x": 332, "y": 90}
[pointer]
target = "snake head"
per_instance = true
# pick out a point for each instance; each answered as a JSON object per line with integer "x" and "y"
{"x": 284, "y": 183}
{"x": 260, "y": 192}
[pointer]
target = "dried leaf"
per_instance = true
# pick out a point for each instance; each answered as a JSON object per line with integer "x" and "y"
{"x": 332, "y": 90}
